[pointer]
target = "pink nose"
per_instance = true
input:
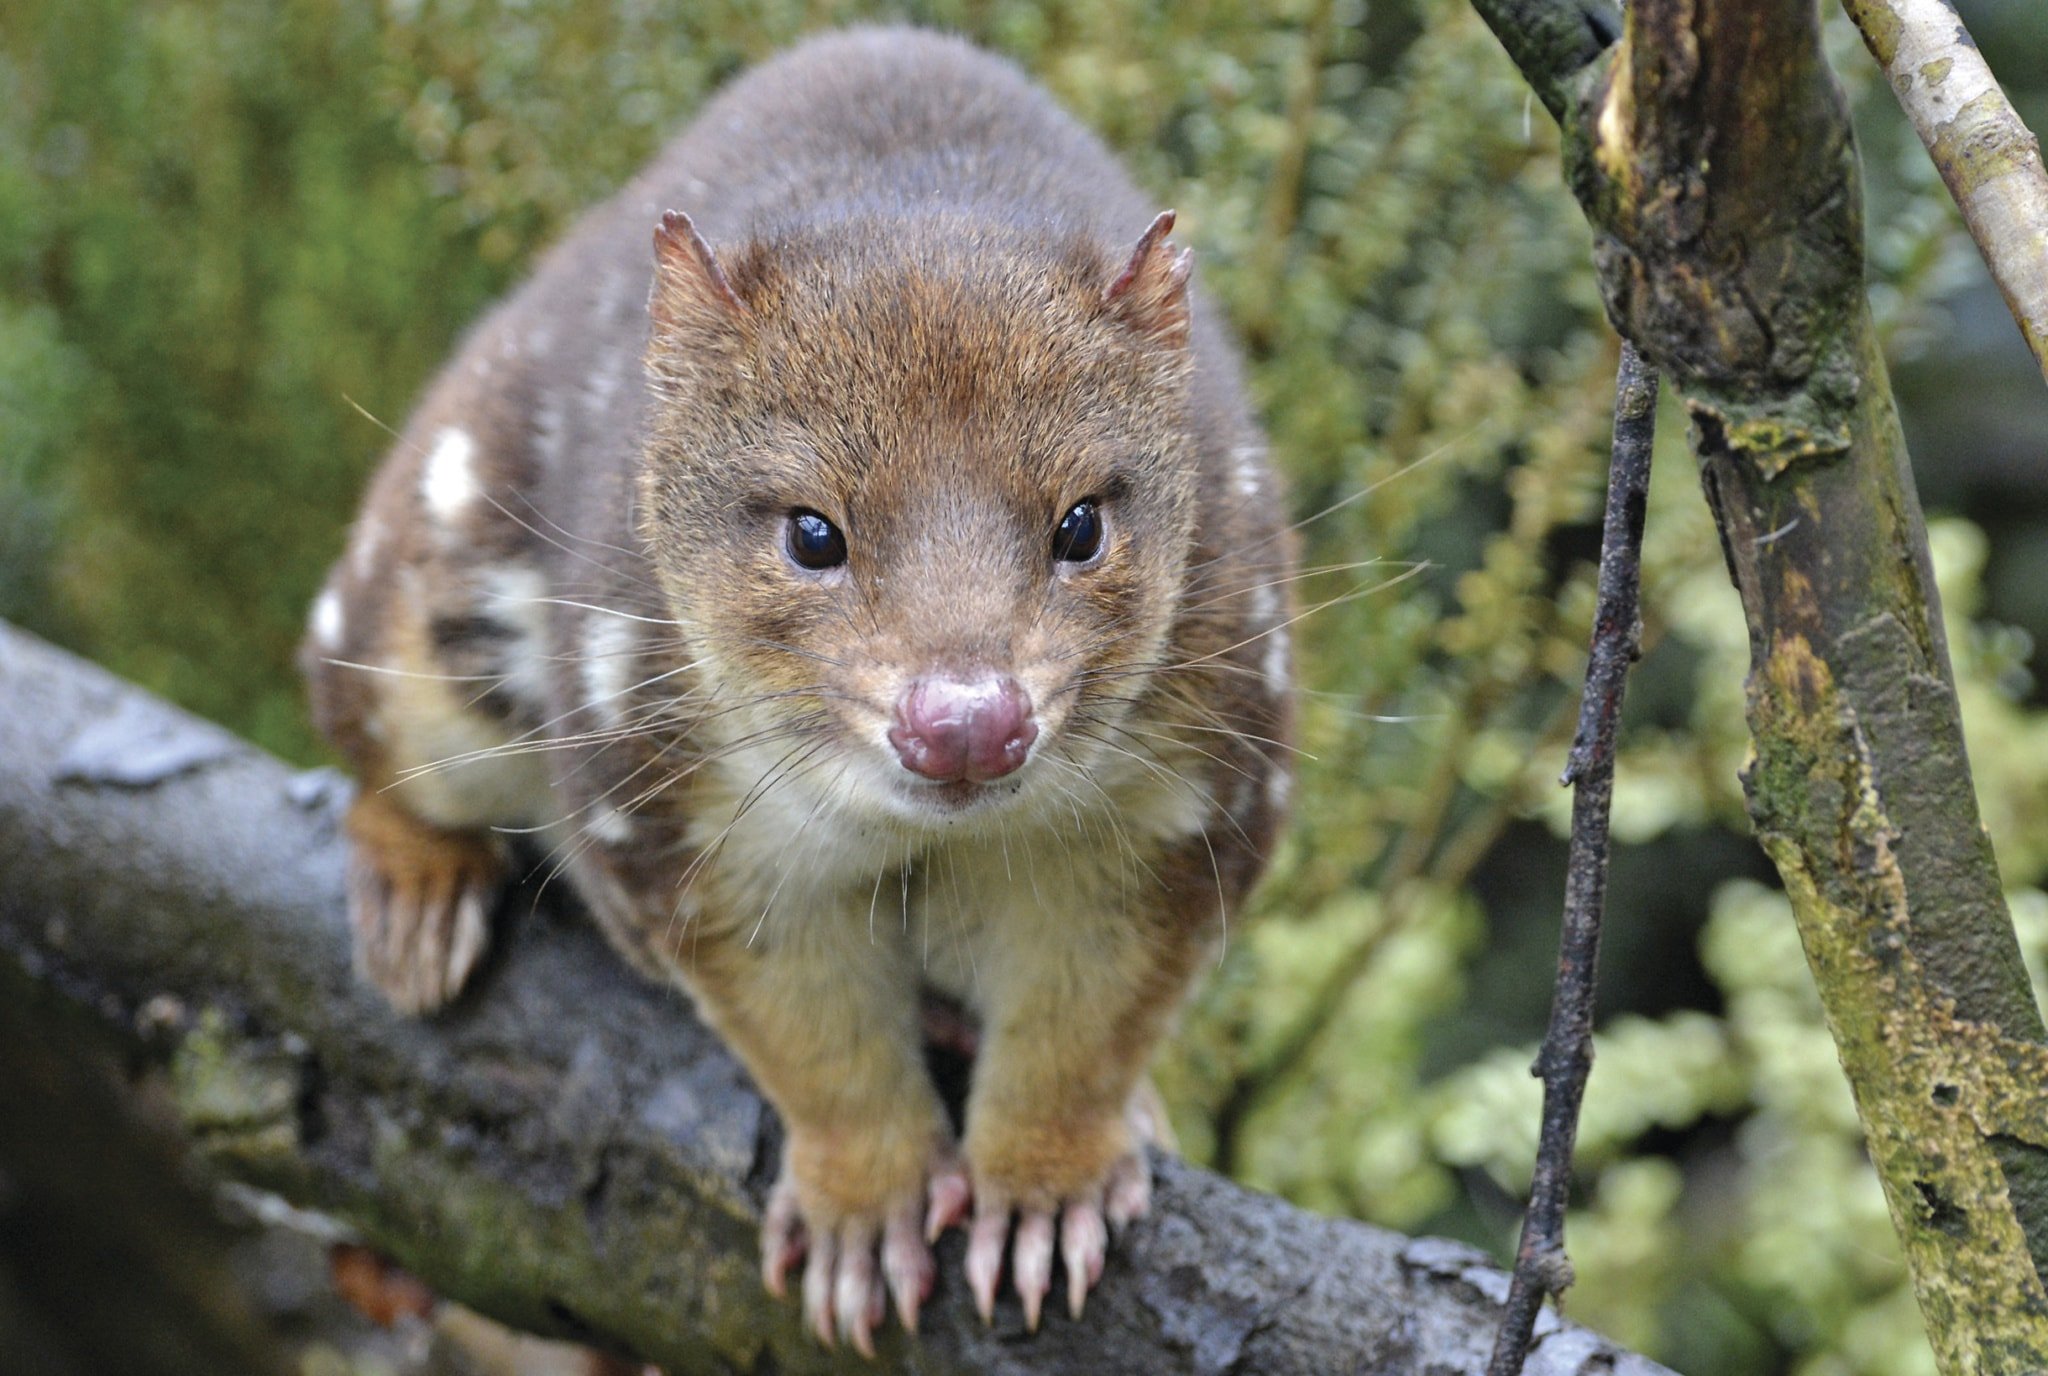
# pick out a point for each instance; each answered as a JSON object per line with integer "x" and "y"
{"x": 951, "y": 730}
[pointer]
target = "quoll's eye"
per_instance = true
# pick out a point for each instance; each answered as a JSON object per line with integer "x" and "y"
{"x": 1079, "y": 537}
{"x": 814, "y": 542}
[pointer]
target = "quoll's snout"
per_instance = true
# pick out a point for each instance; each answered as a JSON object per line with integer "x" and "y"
{"x": 951, "y": 729}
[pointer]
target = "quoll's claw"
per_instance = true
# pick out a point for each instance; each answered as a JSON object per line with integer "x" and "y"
{"x": 907, "y": 1266}
{"x": 854, "y": 1269}
{"x": 950, "y": 1193}
{"x": 1128, "y": 1194}
{"x": 1078, "y": 1226}
{"x": 818, "y": 1274}
{"x": 1084, "y": 1245}
{"x": 782, "y": 1238}
{"x": 1031, "y": 1263}
{"x": 857, "y": 1300}
{"x": 985, "y": 1242}
{"x": 845, "y": 1292}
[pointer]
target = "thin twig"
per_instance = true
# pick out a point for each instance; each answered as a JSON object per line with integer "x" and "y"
{"x": 1541, "y": 1267}
{"x": 1983, "y": 150}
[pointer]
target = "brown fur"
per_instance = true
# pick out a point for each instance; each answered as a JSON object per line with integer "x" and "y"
{"x": 905, "y": 297}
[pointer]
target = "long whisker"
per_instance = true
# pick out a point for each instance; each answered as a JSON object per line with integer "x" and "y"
{"x": 1353, "y": 498}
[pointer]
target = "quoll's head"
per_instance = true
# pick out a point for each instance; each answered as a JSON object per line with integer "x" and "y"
{"x": 921, "y": 495}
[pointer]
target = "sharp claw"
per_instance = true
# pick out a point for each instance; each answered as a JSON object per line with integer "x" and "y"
{"x": 782, "y": 1240}
{"x": 985, "y": 1260}
{"x": 1031, "y": 1263}
{"x": 779, "y": 1251}
{"x": 854, "y": 1292}
{"x": 1084, "y": 1240}
{"x": 775, "y": 1269}
{"x": 1129, "y": 1194}
{"x": 906, "y": 1266}
{"x": 949, "y": 1195}
{"x": 855, "y": 1325}
{"x": 468, "y": 942}
{"x": 818, "y": 1276}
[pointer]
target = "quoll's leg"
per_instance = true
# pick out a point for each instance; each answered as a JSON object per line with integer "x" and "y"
{"x": 1061, "y": 1110}
{"x": 438, "y": 768}
{"x": 828, "y": 1026}
{"x": 423, "y": 657}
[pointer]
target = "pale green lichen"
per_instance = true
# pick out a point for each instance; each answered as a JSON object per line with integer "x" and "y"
{"x": 237, "y": 1098}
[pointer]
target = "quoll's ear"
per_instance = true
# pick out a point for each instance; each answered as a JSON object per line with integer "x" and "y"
{"x": 1151, "y": 294}
{"x": 690, "y": 288}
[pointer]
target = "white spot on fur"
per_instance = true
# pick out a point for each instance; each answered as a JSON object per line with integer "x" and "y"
{"x": 1274, "y": 665}
{"x": 610, "y": 644}
{"x": 609, "y": 825}
{"x": 1265, "y": 605}
{"x": 1170, "y": 813}
{"x": 1244, "y": 466}
{"x": 1279, "y": 787}
{"x": 448, "y": 482}
{"x": 327, "y": 620}
{"x": 1243, "y": 794}
{"x": 513, "y": 594}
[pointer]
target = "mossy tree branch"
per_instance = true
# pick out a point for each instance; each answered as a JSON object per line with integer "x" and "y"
{"x": 1985, "y": 153}
{"x": 1713, "y": 155}
{"x": 568, "y": 1150}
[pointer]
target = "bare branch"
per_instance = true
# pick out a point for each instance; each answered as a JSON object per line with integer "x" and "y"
{"x": 1566, "y": 1059}
{"x": 1983, "y": 150}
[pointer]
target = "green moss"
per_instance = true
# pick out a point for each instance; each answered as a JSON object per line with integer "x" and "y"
{"x": 240, "y": 1101}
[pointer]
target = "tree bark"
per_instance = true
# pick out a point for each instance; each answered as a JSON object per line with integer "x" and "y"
{"x": 569, "y": 1150}
{"x": 1713, "y": 155}
{"x": 1989, "y": 159}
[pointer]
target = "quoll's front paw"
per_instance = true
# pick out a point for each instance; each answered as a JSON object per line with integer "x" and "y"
{"x": 1061, "y": 1188}
{"x": 419, "y": 902}
{"x": 857, "y": 1255}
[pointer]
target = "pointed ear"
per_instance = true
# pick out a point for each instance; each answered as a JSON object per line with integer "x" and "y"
{"x": 690, "y": 288}
{"x": 1151, "y": 294}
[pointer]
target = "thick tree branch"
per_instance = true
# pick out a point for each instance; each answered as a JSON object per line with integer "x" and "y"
{"x": 1713, "y": 156}
{"x": 568, "y": 1150}
{"x": 1983, "y": 150}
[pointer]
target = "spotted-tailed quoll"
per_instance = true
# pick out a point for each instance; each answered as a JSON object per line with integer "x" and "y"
{"x": 875, "y": 593}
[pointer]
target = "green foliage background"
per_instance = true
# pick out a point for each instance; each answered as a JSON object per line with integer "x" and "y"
{"x": 237, "y": 235}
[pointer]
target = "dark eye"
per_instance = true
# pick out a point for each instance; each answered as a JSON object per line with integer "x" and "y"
{"x": 814, "y": 542}
{"x": 1079, "y": 537}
